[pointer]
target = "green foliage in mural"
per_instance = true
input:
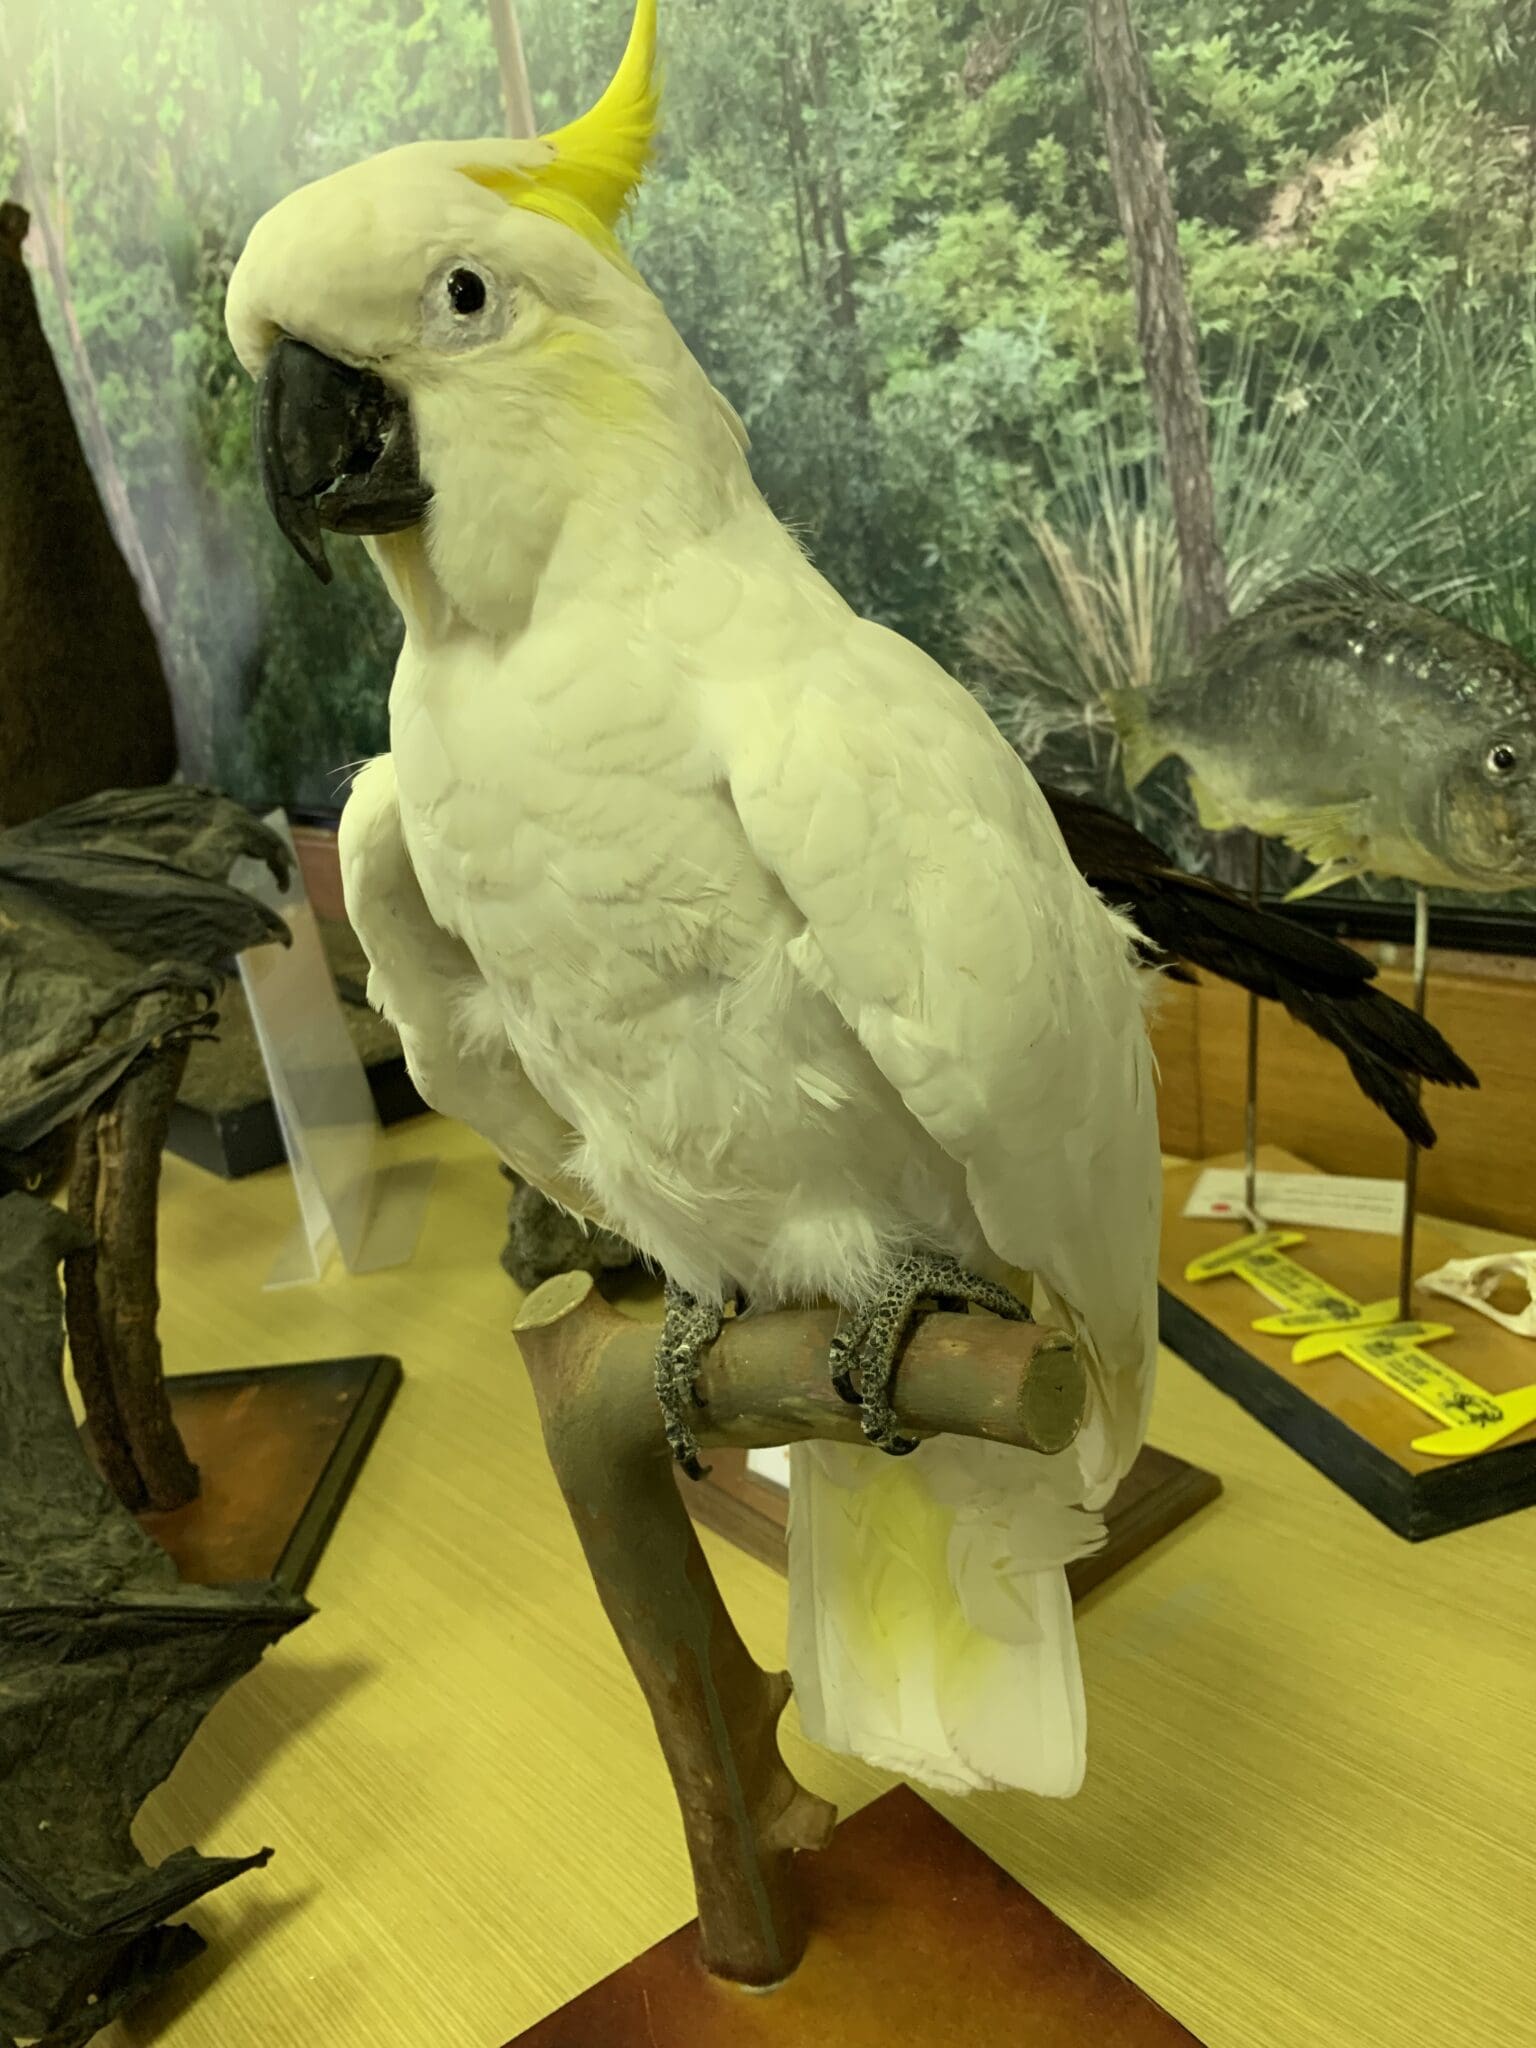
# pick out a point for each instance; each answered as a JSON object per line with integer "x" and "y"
{"x": 886, "y": 228}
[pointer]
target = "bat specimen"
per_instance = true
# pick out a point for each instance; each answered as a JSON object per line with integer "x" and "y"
{"x": 108, "y": 1663}
{"x": 117, "y": 926}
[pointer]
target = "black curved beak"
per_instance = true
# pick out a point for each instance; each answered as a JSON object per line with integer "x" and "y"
{"x": 334, "y": 447}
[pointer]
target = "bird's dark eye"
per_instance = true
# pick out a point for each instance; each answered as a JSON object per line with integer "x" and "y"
{"x": 466, "y": 291}
{"x": 1502, "y": 759}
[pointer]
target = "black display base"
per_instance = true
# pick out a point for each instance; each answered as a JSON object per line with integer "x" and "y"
{"x": 246, "y": 1137}
{"x": 1413, "y": 1504}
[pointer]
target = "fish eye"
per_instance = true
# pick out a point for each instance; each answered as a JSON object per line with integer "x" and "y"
{"x": 466, "y": 290}
{"x": 1502, "y": 759}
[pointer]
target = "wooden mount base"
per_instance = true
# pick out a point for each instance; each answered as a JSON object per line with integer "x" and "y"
{"x": 917, "y": 1937}
{"x": 1158, "y": 1493}
{"x": 278, "y": 1449}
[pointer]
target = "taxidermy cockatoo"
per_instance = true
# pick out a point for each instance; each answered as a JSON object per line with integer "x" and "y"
{"x": 728, "y": 917}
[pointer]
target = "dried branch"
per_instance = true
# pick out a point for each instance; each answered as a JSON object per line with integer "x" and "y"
{"x": 82, "y": 1316}
{"x": 716, "y": 1713}
{"x": 111, "y": 1296}
{"x": 131, "y": 1138}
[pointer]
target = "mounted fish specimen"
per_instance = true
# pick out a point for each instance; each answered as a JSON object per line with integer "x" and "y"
{"x": 1369, "y": 734}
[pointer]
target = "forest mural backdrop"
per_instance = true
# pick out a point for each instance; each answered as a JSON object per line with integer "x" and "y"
{"x": 889, "y": 230}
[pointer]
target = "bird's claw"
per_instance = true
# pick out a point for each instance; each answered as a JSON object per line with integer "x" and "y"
{"x": 871, "y": 1342}
{"x": 844, "y": 1360}
{"x": 688, "y": 1330}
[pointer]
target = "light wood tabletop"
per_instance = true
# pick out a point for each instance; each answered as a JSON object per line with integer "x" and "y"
{"x": 1310, "y": 1816}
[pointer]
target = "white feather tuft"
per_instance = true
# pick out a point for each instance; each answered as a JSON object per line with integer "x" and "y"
{"x": 973, "y": 1692}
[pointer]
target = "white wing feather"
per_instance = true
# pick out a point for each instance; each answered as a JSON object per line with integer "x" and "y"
{"x": 429, "y": 986}
{"x": 930, "y": 1619}
{"x": 991, "y": 986}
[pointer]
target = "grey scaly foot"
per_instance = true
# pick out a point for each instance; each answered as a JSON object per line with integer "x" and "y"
{"x": 850, "y": 1335}
{"x": 687, "y": 1331}
{"x": 870, "y": 1342}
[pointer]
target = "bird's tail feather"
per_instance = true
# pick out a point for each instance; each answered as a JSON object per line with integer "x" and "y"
{"x": 1326, "y": 986}
{"x": 1388, "y": 1046}
{"x": 930, "y": 1626}
{"x": 1366, "y": 1033}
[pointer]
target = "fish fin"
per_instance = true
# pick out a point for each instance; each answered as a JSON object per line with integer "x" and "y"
{"x": 1346, "y": 595}
{"x": 1328, "y": 876}
{"x": 1140, "y": 746}
{"x": 1209, "y": 808}
{"x": 1332, "y": 832}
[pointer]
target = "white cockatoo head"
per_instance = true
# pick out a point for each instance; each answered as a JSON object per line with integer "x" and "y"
{"x": 450, "y": 346}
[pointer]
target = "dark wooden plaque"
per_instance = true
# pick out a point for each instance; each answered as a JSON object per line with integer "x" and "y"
{"x": 917, "y": 1937}
{"x": 278, "y": 1449}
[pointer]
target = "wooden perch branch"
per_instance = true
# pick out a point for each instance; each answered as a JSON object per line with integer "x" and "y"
{"x": 716, "y": 1712}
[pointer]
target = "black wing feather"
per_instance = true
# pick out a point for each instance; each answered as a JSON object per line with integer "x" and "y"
{"x": 1324, "y": 985}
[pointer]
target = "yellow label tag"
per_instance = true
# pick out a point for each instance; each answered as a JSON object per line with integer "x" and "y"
{"x": 1380, "y": 1343}
{"x": 1462, "y": 1438}
{"x": 1329, "y": 1323}
{"x": 1332, "y": 1312}
{"x": 1228, "y": 1257}
{"x": 1306, "y": 1303}
{"x": 1473, "y": 1419}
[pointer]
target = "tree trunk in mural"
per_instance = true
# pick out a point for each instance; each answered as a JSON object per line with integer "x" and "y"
{"x": 838, "y": 269}
{"x": 512, "y": 63}
{"x": 1165, "y": 326}
{"x": 1169, "y": 352}
{"x": 794, "y": 136}
{"x": 824, "y": 247}
{"x": 808, "y": 199}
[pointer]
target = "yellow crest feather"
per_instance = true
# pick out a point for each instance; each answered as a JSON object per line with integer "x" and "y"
{"x": 597, "y": 162}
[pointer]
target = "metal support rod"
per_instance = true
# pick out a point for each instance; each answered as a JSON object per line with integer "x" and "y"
{"x": 1251, "y": 1093}
{"x": 1411, "y": 1158}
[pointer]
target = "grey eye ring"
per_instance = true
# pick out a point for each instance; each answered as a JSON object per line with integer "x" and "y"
{"x": 1502, "y": 759}
{"x": 464, "y": 306}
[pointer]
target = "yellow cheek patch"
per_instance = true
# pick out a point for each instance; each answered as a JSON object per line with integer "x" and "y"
{"x": 582, "y": 372}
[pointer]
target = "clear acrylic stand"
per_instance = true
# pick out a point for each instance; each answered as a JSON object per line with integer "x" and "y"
{"x": 348, "y": 1201}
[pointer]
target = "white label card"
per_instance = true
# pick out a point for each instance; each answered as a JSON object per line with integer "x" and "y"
{"x": 1328, "y": 1200}
{"x": 772, "y": 1465}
